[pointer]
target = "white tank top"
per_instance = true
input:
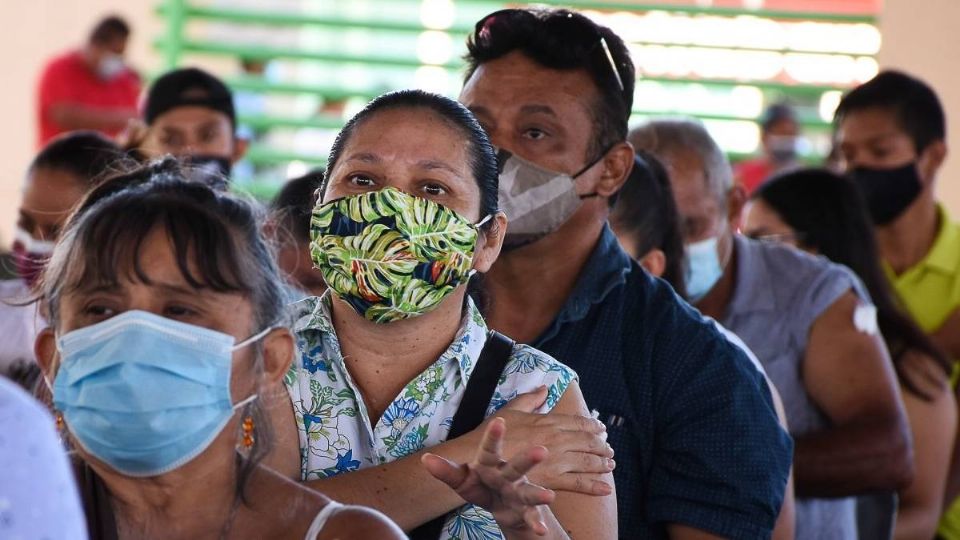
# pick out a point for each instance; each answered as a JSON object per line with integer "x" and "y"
{"x": 318, "y": 522}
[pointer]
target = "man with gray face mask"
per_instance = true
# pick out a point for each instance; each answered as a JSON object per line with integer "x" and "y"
{"x": 89, "y": 88}
{"x": 684, "y": 408}
{"x": 810, "y": 323}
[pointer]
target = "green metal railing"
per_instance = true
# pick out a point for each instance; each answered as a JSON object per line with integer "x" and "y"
{"x": 177, "y": 44}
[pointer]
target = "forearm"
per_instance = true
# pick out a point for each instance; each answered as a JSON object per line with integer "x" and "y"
{"x": 73, "y": 116}
{"x": 403, "y": 489}
{"x": 872, "y": 455}
{"x": 555, "y": 530}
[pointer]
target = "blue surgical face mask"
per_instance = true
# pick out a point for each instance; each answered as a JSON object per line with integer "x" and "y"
{"x": 703, "y": 268}
{"x": 146, "y": 394}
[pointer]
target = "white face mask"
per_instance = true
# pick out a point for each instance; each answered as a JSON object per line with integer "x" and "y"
{"x": 110, "y": 66}
{"x": 537, "y": 201}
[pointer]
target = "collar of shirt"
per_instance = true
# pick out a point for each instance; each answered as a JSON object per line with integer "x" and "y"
{"x": 944, "y": 255}
{"x": 606, "y": 269}
{"x": 314, "y": 315}
{"x": 753, "y": 290}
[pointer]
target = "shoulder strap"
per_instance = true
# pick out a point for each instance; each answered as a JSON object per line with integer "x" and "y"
{"x": 472, "y": 411}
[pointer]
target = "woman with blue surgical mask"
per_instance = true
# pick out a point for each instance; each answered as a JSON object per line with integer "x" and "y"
{"x": 165, "y": 354}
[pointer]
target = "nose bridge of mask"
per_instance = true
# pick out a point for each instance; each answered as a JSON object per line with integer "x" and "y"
{"x": 33, "y": 245}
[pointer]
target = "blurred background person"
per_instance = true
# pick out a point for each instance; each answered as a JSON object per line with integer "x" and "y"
{"x": 91, "y": 87}
{"x": 779, "y": 140}
{"x": 289, "y": 228}
{"x": 796, "y": 313}
{"x": 892, "y": 132}
{"x": 822, "y": 213}
{"x": 56, "y": 180}
{"x": 190, "y": 114}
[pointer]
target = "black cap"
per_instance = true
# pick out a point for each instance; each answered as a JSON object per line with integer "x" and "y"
{"x": 188, "y": 86}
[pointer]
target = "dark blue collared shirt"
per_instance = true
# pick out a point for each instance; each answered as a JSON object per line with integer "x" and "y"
{"x": 691, "y": 420}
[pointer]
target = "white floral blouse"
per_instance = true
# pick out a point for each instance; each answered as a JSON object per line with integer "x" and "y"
{"x": 336, "y": 434}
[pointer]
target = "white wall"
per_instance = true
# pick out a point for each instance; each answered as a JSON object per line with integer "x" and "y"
{"x": 33, "y": 31}
{"x": 921, "y": 37}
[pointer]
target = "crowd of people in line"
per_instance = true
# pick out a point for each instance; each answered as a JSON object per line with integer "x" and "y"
{"x": 502, "y": 316}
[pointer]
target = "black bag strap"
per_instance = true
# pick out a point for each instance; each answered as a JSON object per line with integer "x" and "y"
{"x": 472, "y": 411}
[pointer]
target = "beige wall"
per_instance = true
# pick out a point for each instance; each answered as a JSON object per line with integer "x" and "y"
{"x": 34, "y": 30}
{"x": 921, "y": 38}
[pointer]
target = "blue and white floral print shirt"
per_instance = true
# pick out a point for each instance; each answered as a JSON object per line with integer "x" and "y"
{"x": 336, "y": 434}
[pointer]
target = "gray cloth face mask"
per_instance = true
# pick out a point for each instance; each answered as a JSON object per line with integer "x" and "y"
{"x": 537, "y": 201}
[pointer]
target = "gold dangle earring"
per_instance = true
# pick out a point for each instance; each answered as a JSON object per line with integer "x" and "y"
{"x": 248, "y": 438}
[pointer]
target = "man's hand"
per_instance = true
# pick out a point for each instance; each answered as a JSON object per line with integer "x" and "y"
{"x": 578, "y": 451}
{"x": 498, "y": 486}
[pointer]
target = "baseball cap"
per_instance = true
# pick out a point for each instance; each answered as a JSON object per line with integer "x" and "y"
{"x": 188, "y": 86}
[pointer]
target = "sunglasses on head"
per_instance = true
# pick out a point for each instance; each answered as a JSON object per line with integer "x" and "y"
{"x": 562, "y": 23}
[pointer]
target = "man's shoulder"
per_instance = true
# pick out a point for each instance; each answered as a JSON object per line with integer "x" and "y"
{"x": 63, "y": 64}
{"x": 672, "y": 332}
{"x": 792, "y": 271}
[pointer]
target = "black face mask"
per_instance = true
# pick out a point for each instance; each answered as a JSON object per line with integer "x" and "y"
{"x": 213, "y": 171}
{"x": 888, "y": 192}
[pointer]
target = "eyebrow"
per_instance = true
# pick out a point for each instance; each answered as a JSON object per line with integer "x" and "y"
{"x": 432, "y": 164}
{"x": 366, "y": 157}
{"x": 428, "y": 164}
{"x": 538, "y": 109}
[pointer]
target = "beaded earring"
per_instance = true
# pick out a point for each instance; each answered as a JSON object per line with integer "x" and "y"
{"x": 248, "y": 439}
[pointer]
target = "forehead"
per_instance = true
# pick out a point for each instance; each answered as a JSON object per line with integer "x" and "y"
{"x": 51, "y": 193}
{"x": 689, "y": 183}
{"x": 513, "y": 82}
{"x": 864, "y": 124}
{"x": 188, "y": 117}
{"x": 760, "y": 217}
{"x": 404, "y": 136}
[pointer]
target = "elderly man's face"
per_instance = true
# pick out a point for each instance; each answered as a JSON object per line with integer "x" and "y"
{"x": 702, "y": 215}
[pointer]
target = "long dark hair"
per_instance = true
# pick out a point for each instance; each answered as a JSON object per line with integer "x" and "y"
{"x": 646, "y": 211}
{"x": 830, "y": 216}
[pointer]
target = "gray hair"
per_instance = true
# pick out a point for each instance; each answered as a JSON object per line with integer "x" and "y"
{"x": 670, "y": 140}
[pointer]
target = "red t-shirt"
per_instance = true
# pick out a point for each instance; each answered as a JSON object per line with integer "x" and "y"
{"x": 752, "y": 173}
{"x": 68, "y": 79}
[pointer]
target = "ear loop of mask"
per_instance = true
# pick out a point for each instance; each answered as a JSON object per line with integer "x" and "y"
{"x": 477, "y": 226}
{"x": 252, "y": 339}
{"x": 587, "y": 168}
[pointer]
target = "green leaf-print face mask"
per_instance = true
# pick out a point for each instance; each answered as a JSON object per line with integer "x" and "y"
{"x": 391, "y": 255}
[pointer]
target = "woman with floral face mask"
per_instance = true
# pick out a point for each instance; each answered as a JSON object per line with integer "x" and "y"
{"x": 395, "y": 352}
{"x": 164, "y": 350}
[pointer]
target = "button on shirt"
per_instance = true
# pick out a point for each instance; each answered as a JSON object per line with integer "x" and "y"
{"x": 779, "y": 293}
{"x": 692, "y": 423}
{"x": 336, "y": 434}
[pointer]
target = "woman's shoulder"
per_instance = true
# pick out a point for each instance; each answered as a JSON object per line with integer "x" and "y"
{"x": 527, "y": 369}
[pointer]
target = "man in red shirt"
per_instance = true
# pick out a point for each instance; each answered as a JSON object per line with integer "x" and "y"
{"x": 89, "y": 88}
{"x": 780, "y": 134}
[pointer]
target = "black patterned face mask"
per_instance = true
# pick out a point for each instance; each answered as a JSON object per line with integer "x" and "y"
{"x": 888, "y": 192}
